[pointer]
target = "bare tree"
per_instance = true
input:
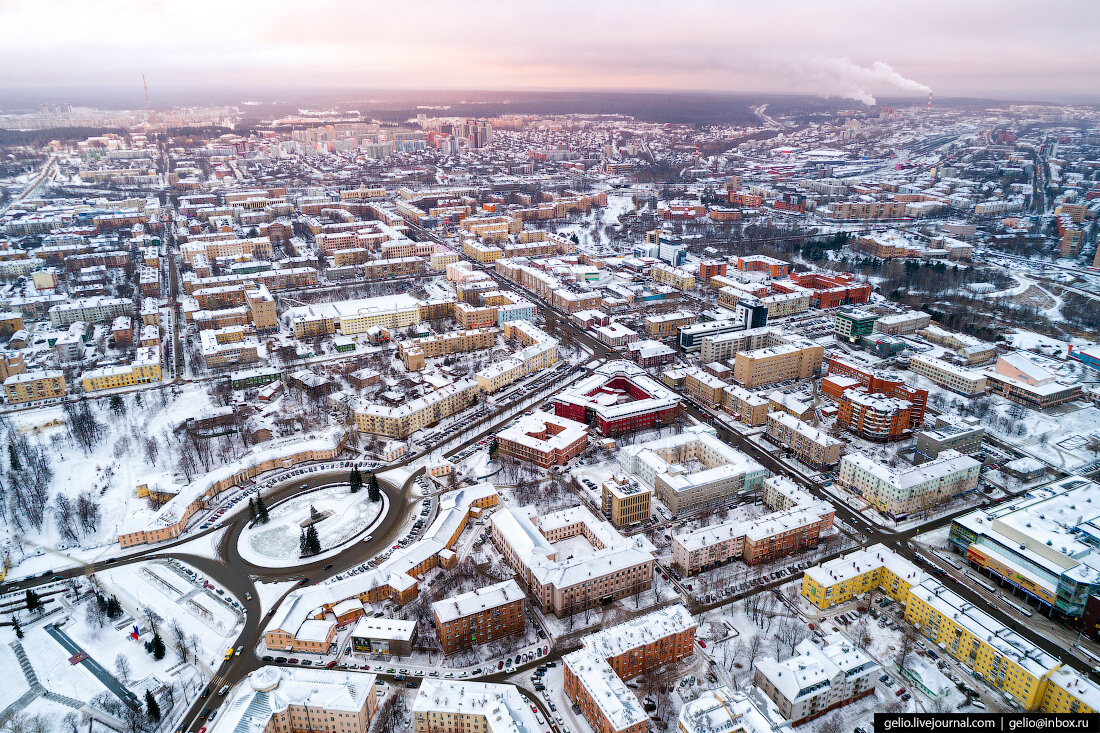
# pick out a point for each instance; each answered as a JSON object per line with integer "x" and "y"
{"x": 122, "y": 668}
{"x": 908, "y": 641}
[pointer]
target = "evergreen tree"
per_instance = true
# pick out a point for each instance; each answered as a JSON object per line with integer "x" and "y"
{"x": 137, "y": 399}
{"x": 114, "y": 608}
{"x": 151, "y": 706}
{"x": 302, "y": 550}
{"x": 17, "y": 627}
{"x": 32, "y": 601}
{"x": 493, "y": 447}
{"x": 313, "y": 542}
{"x": 261, "y": 510}
{"x": 115, "y": 404}
{"x": 372, "y": 483}
{"x": 251, "y": 509}
{"x": 13, "y": 457}
{"x": 157, "y": 646}
{"x": 101, "y": 602}
{"x": 355, "y": 480}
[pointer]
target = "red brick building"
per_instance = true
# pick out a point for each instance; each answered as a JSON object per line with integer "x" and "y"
{"x": 480, "y": 616}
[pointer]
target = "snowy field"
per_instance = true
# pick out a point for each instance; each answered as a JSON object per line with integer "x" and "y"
{"x": 346, "y": 517}
{"x": 131, "y": 449}
{"x": 210, "y": 620}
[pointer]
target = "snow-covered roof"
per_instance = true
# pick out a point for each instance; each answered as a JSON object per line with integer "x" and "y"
{"x": 526, "y": 431}
{"x": 393, "y": 629}
{"x": 615, "y": 700}
{"x": 640, "y": 631}
{"x": 723, "y": 710}
{"x": 984, "y": 627}
{"x": 947, "y": 463}
{"x": 479, "y": 599}
{"x": 863, "y": 561}
{"x": 272, "y": 690}
{"x": 502, "y": 707}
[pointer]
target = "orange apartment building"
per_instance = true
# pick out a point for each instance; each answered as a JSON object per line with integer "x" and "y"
{"x": 760, "y": 263}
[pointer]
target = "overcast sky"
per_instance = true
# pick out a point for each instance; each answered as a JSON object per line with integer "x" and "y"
{"x": 1038, "y": 49}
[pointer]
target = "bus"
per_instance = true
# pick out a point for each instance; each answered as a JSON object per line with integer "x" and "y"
{"x": 1021, "y": 609}
{"x": 981, "y": 582}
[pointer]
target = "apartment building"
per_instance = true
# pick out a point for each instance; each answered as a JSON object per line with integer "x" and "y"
{"x": 724, "y": 345}
{"x": 616, "y": 566}
{"x": 812, "y": 446}
{"x": 797, "y": 522}
{"x": 664, "y": 464}
{"x": 606, "y": 702}
{"x": 446, "y": 706}
{"x": 899, "y": 491}
{"x": 261, "y": 307}
{"x": 902, "y": 324}
{"x": 797, "y": 359}
{"x": 676, "y": 277}
{"x": 728, "y": 711}
{"x": 415, "y": 352}
{"x": 543, "y": 439}
{"x": 480, "y": 616}
{"x": 760, "y": 263}
{"x": 873, "y": 381}
{"x": 351, "y": 317}
{"x": 709, "y": 269}
{"x": 90, "y": 310}
{"x": 998, "y": 655}
{"x": 308, "y": 617}
{"x": 959, "y": 379}
{"x": 873, "y": 417}
{"x": 964, "y": 436}
{"x": 969, "y": 349}
{"x": 290, "y": 699}
{"x": 405, "y": 419}
{"x": 662, "y": 326}
{"x": 817, "y": 679}
{"x": 220, "y": 352}
{"x": 646, "y": 642}
{"x": 144, "y": 369}
{"x": 625, "y": 502}
{"x": 33, "y": 386}
{"x": 848, "y": 576}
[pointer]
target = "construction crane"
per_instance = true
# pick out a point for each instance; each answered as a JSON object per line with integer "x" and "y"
{"x": 149, "y": 117}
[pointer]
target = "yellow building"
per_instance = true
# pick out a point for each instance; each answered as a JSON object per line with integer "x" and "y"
{"x": 668, "y": 324}
{"x": 475, "y": 250}
{"x": 858, "y": 572}
{"x": 262, "y": 307}
{"x": 33, "y": 386}
{"x": 626, "y": 501}
{"x": 145, "y": 369}
{"x": 674, "y": 276}
{"x": 1003, "y": 658}
{"x": 1069, "y": 692}
{"x": 797, "y": 359}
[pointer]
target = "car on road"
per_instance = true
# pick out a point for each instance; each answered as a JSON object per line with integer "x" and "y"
{"x": 248, "y": 596}
{"x": 229, "y": 653}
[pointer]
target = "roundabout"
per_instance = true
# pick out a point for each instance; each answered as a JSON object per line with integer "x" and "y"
{"x": 340, "y": 517}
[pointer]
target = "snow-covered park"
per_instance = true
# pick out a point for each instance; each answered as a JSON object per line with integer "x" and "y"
{"x": 344, "y": 517}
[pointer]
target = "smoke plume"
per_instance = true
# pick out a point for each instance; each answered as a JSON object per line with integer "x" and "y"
{"x": 842, "y": 77}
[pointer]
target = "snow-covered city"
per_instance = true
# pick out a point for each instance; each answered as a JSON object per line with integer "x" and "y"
{"x": 583, "y": 406}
